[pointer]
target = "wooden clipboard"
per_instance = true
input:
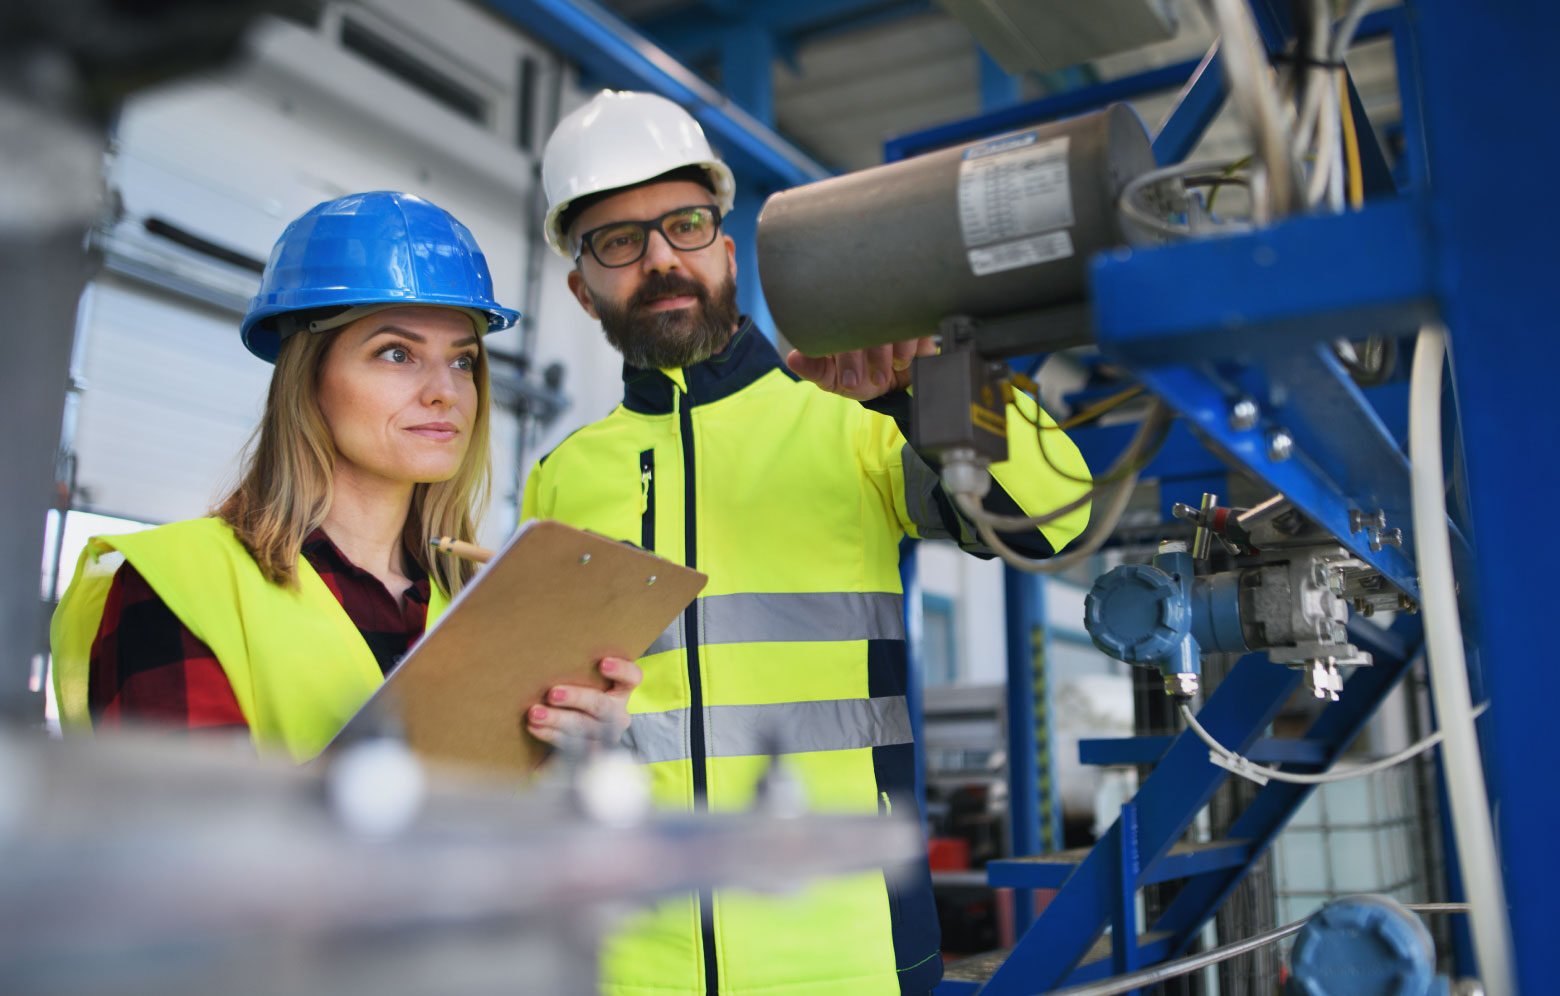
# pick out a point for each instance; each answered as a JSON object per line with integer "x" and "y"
{"x": 552, "y": 602}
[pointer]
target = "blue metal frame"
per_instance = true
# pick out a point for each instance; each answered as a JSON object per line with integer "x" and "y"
{"x": 1496, "y": 294}
{"x": 1034, "y": 800}
{"x": 1203, "y": 324}
{"x": 1195, "y": 109}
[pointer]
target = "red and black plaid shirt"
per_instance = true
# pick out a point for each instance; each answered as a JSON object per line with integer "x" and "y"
{"x": 147, "y": 667}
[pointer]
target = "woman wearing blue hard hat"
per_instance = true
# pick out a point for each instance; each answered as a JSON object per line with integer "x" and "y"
{"x": 282, "y": 611}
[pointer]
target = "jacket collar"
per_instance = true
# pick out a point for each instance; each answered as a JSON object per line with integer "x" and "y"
{"x": 746, "y": 358}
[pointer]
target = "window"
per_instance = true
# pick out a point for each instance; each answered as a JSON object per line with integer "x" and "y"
{"x": 939, "y": 658}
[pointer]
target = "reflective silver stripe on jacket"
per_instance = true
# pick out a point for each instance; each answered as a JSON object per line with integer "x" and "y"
{"x": 786, "y": 617}
{"x": 779, "y": 728}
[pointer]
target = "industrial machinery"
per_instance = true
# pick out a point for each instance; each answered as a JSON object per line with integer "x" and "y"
{"x": 1288, "y": 593}
{"x": 1256, "y": 337}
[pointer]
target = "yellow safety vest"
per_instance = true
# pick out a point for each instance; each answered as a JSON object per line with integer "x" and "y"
{"x": 793, "y": 501}
{"x": 298, "y": 666}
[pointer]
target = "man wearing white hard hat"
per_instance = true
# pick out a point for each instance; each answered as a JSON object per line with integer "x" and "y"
{"x": 793, "y": 500}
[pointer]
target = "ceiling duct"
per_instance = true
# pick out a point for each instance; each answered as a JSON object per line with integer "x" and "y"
{"x": 1046, "y": 35}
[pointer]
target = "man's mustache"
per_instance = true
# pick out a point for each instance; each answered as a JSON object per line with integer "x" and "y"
{"x": 666, "y": 285}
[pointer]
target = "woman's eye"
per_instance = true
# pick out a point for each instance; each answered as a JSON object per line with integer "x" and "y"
{"x": 466, "y": 362}
{"x": 396, "y": 354}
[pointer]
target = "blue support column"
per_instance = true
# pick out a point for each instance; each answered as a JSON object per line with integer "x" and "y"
{"x": 1485, "y": 74}
{"x": 1034, "y": 813}
{"x": 998, "y": 87}
{"x": 915, "y": 685}
{"x": 747, "y": 69}
{"x": 1124, "y": 956}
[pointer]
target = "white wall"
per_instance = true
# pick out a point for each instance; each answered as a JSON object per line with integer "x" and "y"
{"x": 168, "y": 395}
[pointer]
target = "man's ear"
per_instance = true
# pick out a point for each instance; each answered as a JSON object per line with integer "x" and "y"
{"x": 582, "y": 293}
{"x": 731, "y": 254}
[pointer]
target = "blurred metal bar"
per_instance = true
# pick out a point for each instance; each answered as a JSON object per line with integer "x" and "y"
{"x": 615, "y": 53}
{"x": 49, "y": 164}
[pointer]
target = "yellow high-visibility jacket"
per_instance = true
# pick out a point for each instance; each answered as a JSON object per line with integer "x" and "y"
{"x": 298, "y": 666}
{"x": 793, "y": 501}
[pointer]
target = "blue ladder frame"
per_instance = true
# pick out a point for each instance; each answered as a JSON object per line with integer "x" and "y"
{"x": 1140, "y": 849}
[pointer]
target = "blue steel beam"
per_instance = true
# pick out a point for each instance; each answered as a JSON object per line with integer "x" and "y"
{"x": 1199, "y": 103}
{"x": 1148, "y": 750}
{"x": 1485, "y": 73}
{"x": 1304, "y": 477}
{"x": 1268, "y": 813}
{"x": 747, "y": 69}
{"x": 618, "y": 55}
{"x": 1031, "y": 112}
{"x": 998, "y": 87}
{"x": 1349, "y": 275}
{"x": 1034, "y": 811}
{"x": 695, "y": 34}
{"x": 1054, "y": 874}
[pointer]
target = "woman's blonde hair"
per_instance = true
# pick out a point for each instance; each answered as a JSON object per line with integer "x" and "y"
{"x": 285, "y": 486}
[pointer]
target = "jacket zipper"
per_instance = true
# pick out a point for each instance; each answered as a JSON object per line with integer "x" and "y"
{"x": 647, "y": 499}
{"x": 697, "y": 733}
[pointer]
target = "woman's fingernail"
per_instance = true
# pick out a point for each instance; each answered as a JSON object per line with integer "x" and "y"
{"x": 556, "y": 696}
{"x": 538, "y": 714}
{"x": 609, "y": 666}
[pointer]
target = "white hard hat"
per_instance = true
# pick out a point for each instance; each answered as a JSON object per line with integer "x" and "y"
{"x": 618, "y": 139}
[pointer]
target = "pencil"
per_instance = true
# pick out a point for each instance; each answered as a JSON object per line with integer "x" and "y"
{"x": 458, "y": 548}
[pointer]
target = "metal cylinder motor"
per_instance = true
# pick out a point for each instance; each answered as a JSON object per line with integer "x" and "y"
{"x": 1001, "y": 227}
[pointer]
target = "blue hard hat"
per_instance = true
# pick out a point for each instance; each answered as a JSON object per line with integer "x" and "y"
{"x": 380, "y": 247}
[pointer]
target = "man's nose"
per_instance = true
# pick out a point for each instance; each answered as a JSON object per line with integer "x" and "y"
{"x": 659, "y": 254}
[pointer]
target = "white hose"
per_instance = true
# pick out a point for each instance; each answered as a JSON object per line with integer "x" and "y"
{"x": 1237, "y": 764}
{"x": 1469, "y": 802}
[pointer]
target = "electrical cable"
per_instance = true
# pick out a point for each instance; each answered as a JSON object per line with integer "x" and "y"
{"x": 1134, "y": 212}
{"x": 1256, "y": 100}
{"x": 1145, "y": 443}
{"x": 1090, "y": 413}
{"x": 1083, "y": 418}
{"x": 1472, "y": 826}
{"x": 1185, "y": 966}
{"x": 1262, "y": 774}
{"x": 1149, "y": 437}
{"x": 1351, "y": 142}
{"x": 1229, "y": 171}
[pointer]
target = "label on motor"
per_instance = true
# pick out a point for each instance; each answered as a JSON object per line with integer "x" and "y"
{"x": 1011, "y": 190}
{"x": 1021, "y": 252}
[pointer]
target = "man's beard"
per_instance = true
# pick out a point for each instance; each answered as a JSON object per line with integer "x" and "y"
{"x": 662, "y": 340}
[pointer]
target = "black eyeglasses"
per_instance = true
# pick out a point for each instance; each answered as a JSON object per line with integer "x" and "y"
{"x": 623, "y": 243}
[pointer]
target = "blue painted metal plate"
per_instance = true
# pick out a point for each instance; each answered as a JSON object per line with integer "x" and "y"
{"x": 1148, "y": 750}
{"x": 1306, "y": 280}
